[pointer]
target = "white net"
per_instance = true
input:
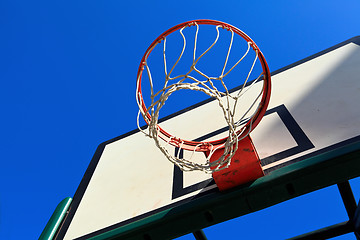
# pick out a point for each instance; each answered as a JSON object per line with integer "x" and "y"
{"x": 197, "y": 80}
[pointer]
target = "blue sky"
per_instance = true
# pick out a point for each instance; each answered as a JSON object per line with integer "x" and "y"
{"x": 68, "y": 72}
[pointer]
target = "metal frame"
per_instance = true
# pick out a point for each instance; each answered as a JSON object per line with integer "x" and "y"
{"x": 340, "y": 228}
{"x": 331, "y": 167}
{"x": 328, "y": 168}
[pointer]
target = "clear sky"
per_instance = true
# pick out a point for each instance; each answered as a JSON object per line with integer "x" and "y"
{"x": 68, "y": 72}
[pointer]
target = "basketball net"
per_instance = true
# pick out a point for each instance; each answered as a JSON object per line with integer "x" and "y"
{"x": 238, "y": 128}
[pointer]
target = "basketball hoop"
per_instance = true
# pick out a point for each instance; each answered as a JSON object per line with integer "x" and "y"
{"x": 218, "y": 152}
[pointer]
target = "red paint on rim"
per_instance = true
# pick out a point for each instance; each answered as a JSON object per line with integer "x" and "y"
{"x": 206, "y": 146}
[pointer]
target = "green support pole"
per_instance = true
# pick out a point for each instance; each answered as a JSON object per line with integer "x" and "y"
{"x": 199, "y": 235}
{"x": 56, "y": 218}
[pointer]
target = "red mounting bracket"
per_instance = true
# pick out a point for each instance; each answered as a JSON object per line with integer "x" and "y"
{"x": 245, "y": 166}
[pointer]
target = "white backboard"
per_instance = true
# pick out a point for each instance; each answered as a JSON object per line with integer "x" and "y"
{"x": 313, "y": 110}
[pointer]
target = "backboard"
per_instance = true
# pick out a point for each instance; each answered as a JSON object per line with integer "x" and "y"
{"x": 309, "y": 138}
